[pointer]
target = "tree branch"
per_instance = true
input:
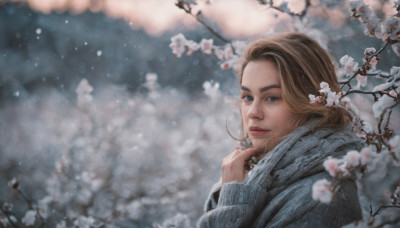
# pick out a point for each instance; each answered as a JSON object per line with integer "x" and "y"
{"x": 300, "y": 15}
{"x": 384, "y": 207}
{"x": 181, "y": 4}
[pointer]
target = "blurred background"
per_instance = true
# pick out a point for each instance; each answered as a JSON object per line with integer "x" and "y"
{"x": 102, "y": 126}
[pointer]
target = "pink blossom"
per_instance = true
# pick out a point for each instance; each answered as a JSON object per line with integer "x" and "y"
{"x": 367, "y": 156}
{"x": 390, "y": 28}
{"x": 228, "y": 52}
{"x": 219, "y": 53}
{"x": 192, "y": 47}
{"x": 361, "y": 9}
{"x": 332, "y": 99}
{"x": 361, "y": 80}
{"x": 178, "y": 44}
{"x": 349, "y": 65}
{"x": 352, "y": 158}
{"x": 332, "y": 166}
{"x": 324, "y": 87}
{"x": 369, "y": 51}
{"x": 372, "y": 26}
{"x": 206, "y": 46}
{"x": 312, "y": 99}
{"x": 321, "y": 191}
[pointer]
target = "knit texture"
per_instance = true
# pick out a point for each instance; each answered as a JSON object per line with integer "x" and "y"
{"x": 278, "y": 191}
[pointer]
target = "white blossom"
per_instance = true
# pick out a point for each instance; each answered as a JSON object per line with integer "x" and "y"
{"x": 135, "y": 210}
{"x": 352, "y": 158}
{"x": 84, "y": 90}
{"x": 321, "y": 191}
{"x": 369, "y": 51}
{"x": 192, "y": 47}
{"x": 211, "y": 89}
{"x": 367, "y": 156}
{"x": 349, "y": 65}
{"x": 390, "y": 28}
{"x": 84, "y": 222}
{"x": 361, "y": 81}
{"x": 206, "y": 46}
{"x": 29, "y": 218}
{"x": 373, "y": 27}
{"x": 178, "y": 45}
{"x": 332, "y": 166}
{"x": 379, "y": 106}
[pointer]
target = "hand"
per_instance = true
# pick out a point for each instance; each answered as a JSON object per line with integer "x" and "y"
{"x": 234, "y": 166}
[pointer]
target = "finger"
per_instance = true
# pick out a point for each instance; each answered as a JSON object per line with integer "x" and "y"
{"x": 248, "y": 153}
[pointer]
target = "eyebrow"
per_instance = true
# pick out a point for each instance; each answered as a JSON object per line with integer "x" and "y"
{"x": 263, "y": 89}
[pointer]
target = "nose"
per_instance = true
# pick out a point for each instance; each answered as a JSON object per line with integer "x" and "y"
{"x": 255, "y": 111}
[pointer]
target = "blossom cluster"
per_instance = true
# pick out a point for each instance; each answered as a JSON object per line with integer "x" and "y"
{"x": 357, "y": 164}
{"x": 228, "y": 54}
{"x": 328, "y": 97}
{"x": 350, "y": 66}
{"x": 123, "y": 159}
{"x": 387, "y": 30}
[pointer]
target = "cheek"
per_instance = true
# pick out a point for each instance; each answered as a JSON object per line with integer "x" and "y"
{"x": 243, "y": 112}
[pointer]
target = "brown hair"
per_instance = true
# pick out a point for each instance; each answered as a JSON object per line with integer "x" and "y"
{"x": 302, "y": 64}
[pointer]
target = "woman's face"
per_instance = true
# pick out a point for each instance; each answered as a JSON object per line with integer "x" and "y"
{"x": 266, "y": 115}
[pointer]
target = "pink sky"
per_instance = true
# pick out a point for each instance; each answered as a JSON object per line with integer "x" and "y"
{"x": 235, "y": 17}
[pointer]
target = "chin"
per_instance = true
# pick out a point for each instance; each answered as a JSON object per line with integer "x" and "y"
{"x": 259, "y": 143}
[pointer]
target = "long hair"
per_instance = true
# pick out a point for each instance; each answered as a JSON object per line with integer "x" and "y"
{"x": 302, "y": 64}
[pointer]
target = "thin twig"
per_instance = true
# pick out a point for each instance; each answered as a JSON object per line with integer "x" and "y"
{"x": 25, "y": 198}
{"x": 383, "y": 115}
{"x": 360, "y": 70}
{"x": 300, "y": 15}
{"x": 8, "y": 217}
{"x": 185, "y": 7}
{"x": 369, "y": 92}
{"x": 383, "y": 207}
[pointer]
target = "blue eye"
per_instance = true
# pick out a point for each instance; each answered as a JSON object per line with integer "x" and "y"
{"x": 272, "y": 99}
{"x": 247, "y": 98}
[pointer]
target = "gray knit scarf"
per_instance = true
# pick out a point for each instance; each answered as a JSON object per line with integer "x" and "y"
{"x": 299, "y": 156}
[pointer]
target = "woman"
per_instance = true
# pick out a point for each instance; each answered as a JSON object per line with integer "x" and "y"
{"x": 290, "y": 137}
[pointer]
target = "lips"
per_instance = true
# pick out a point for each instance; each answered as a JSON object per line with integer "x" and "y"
{"x": 257, "y": 131}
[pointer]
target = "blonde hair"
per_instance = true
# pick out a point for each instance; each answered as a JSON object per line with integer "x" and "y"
{"x": 302, "y": 64}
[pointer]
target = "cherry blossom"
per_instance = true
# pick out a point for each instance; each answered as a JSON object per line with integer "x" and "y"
{"x": 367, "y": 156}
{"x": 391, "y": 28}
{"x": 352, "y": 158}
{"x": 178, "y": 45}
{"x": 206, "y": 46}
{"x": 29, "y": 218}
{"x": 192, "y": 47}
{"x": 331, "y": 98}
{"x": 84, "y": 90}
{"x": 211, "y": 89}
{"x": 321, "y": 191}
{"x": 332, "y": 166}
{"x": 349, "y": 65}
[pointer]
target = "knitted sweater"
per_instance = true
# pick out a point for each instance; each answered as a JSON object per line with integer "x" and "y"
{"x": 278, "y": 191}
